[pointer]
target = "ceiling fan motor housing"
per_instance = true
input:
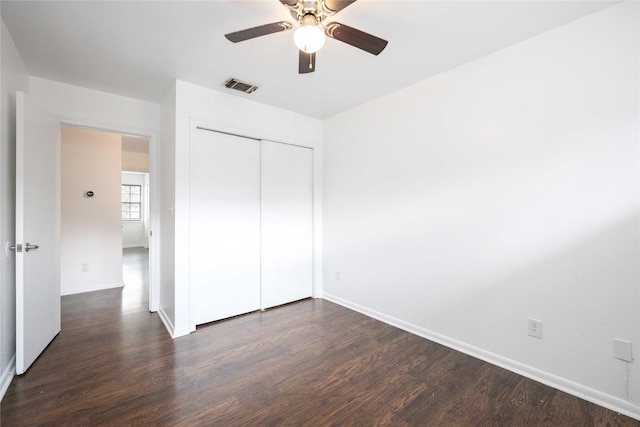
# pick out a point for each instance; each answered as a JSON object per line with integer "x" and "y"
{"x": 309, "y": 19}
{"x": 317, "y": 9}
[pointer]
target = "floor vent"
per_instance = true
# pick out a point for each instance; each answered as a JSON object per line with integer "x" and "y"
{"x": 236, "y": 84}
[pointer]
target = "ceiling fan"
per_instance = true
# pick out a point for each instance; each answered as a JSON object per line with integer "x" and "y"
{"x": 311, "y": 30}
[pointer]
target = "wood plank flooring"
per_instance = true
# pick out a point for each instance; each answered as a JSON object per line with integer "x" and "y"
{"x": 310, "y": 363}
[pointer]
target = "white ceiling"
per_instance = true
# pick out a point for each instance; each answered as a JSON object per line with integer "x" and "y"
{"x": 138, "y": 48}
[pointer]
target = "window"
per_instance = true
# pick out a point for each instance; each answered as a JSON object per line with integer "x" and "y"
{"x": 131, "y": 202}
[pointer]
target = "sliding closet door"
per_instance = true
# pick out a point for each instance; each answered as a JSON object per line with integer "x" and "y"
{"x": 287, "y": 220}
{"x": 224, "y": 230}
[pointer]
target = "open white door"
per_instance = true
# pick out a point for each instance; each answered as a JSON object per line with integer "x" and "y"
{"x": 37, "y": 231}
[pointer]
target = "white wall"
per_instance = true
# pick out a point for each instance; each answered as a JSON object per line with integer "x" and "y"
{"x": 135, "y": 162}
{"x": 503, "y": 189}
{"x": 91, "y": 232}
{"x": 88, "y": 107}
{"x": 91, "y": 108}
{"x": 166, "y": 235}
{"x": 133, "y": 232}
{"x": 13, "y": 76}
{"x": 217, "y": 110}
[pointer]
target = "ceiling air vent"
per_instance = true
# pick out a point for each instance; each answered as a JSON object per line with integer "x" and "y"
{"x": 236, "y": 84}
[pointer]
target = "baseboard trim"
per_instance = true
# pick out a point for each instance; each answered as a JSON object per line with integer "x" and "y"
{"x": 594, "y": 396}
{"x": 168, "y": 324}
{"x": 7, "y": 376}
{"x": 135, "y": 245}
{"x": 94, "y": 288}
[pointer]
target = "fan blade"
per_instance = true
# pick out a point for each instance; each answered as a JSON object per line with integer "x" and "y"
{"x": 337, "y": 5}
{"x": 306, "y": 62}
{"x": 357, "y": 38}
{"x": 262, "y": 30}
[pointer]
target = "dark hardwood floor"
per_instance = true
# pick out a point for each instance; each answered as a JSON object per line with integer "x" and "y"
{"x": 311, "y": 363}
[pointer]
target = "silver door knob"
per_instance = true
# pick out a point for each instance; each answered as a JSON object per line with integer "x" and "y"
{"x": 28, "y": 247}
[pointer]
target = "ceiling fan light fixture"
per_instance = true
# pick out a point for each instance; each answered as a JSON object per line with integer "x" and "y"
{"x": 311, "y": 31}
{"x": 309, "y": 36}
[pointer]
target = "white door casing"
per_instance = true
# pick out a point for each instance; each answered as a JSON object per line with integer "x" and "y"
{"x": 37, "y": 223}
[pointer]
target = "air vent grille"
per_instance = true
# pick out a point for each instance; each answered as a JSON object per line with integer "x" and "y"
{"x": 236, "y": 84}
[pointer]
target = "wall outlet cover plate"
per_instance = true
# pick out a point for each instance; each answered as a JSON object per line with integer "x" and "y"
{"x": 622, "y": 350}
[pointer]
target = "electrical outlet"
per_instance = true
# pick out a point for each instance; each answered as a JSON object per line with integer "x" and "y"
{"x": 535, "y": 328}
{"x": 337, "y": 276}
{"x": 85, "y": 267}
{"x": 622, "y": 350}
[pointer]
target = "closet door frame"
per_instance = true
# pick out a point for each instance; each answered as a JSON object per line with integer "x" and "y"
{"x": 213, "y": 125}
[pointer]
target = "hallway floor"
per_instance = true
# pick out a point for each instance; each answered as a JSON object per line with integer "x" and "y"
{"x": 135, "y": 274}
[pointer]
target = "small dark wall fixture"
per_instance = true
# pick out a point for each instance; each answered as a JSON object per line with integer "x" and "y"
{"x": 89, "y": 194}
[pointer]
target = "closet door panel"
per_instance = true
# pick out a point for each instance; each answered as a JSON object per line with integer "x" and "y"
{"x": 224, "y": 230}
{"x": 287, "y": 221}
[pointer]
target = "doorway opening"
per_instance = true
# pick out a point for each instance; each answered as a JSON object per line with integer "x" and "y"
{"x": 135, "y": 222}
{"x": 102, "y": 246}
